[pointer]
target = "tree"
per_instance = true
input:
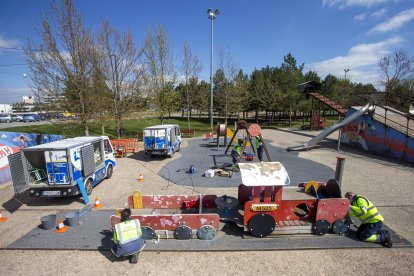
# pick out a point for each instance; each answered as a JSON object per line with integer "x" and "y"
{"x": 159, "y": 68}
{"x": 119, "y": 66}
{"x": 226, "y": 95}
{"x": 191, "y": 68}
{"x": 63, "y": 62}
{"x": 291, "y": 76}
{"x": 395, "y": 67}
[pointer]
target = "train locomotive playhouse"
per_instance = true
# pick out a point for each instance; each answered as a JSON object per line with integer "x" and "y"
{"x": 267, "y": 205}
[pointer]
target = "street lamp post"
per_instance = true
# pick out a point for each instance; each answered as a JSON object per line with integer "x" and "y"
{"x": 346, "y": 71}
{"x": 211, "y": 15}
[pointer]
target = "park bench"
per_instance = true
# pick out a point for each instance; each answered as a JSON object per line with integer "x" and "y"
{"x": 188, "y": 132}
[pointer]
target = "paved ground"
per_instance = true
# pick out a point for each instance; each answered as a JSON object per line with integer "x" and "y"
{"x": 389, "y": 184}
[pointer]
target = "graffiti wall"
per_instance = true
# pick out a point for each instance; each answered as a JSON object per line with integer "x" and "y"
{"x": 12, "y": 142}
{"x": 375, "y": 137}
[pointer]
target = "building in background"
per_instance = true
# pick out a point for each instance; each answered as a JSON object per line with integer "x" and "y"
{"x": 5, "y": 108}
{"x": 28, "y": 100}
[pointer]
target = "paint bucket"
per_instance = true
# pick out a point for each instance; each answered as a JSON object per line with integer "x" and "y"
{"x": 72, "y": 218}
{"x": 48, "y": 222}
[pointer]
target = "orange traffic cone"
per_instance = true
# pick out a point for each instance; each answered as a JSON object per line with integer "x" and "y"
{"x": 61, "y": 227}
{"x": 2, "y": 219}
{"x": 140, "y": 178}
{"x": 97, "y": 204}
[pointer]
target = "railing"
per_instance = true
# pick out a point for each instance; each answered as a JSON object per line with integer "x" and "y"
{"x": 391, "y": 117}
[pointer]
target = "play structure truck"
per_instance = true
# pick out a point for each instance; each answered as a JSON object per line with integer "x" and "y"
{"x": 67, "y": 167}
{"x": 162, "y": 140}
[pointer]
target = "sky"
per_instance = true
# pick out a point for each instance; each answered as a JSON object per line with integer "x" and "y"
{"x": 328, "y": 36}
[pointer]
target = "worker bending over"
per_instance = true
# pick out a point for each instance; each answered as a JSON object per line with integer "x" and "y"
{"x": 259, "y": 148}
{"x": 127, "y": 237}
{"x": 371, "y": 228}
{"x": 236, "y": 152}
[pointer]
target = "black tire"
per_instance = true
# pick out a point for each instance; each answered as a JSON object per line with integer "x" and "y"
{"x": 109, "y": 171}
{"x": 89, "y": 186}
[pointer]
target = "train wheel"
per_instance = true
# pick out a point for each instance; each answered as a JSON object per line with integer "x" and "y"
{"x": 148, "y": 233}
{"x": 321, "y": 227}
{"x": 340, "y": 227}
{"x": 261, "y": 225}
{"x": 206, "y": 232}
{"x": 183, "y": 233}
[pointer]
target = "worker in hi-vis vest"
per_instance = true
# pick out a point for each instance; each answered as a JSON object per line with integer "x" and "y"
{"x": 371, "y": 228}
{"x": 259, "y": 148}
{"x": 127, "y": 237}
{"x": 236, "y": 152}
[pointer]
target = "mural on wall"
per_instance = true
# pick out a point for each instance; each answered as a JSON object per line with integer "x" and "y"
{"x": 12, "y": 142}
{"x": 375, "y": 137}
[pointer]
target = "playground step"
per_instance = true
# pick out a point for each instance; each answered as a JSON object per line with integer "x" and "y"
{"x": 328, "y": 102}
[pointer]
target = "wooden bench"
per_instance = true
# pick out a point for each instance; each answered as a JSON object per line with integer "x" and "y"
{"x": 130, "y": 145}
{"x": 188, "y": 132}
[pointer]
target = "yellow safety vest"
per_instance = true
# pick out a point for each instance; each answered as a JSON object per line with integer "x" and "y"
{"x": 258, "y": 142}
{"x": 364, "y": 210}
{"x": 237, "y": 148}
{"x": 127, "y": 231}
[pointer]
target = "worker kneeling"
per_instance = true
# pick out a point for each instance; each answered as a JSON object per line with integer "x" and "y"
{"x": 236, "y": 152}
{"x": 127, "y": 237}
{"x": 371, "y": 228}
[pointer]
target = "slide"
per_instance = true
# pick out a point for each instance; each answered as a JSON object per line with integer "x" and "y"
{"x": 326, "y": 132}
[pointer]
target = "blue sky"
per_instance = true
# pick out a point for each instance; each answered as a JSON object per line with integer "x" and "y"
{"x": 327, "y": 35}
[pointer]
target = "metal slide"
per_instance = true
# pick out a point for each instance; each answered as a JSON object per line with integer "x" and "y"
{"x": 315, "y": 140}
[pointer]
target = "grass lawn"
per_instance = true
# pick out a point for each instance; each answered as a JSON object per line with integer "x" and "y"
{"x": 133, "y": 126}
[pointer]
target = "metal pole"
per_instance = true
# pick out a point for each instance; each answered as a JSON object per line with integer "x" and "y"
{"x": 211, "y": 76}
{"x": 340, "y": 162}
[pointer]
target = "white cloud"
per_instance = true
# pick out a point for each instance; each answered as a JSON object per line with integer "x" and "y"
{"x": 361, "y": 59}
{"x": 14, "y": 95}
{"x": 8, "y": 43}
{"x": 360, "y": 17}
{"x": 348, "y": 3}
{"x": 379, "y": 13}
{"x": 394, "y": 22}
{"x": 376, "y": 14}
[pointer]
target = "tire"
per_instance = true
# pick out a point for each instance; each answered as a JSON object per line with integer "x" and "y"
{"x": 89, "y": 186}
{"x": 109, "y": 171}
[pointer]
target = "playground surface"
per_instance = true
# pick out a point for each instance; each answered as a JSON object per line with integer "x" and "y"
{"x": 385, "y": 182}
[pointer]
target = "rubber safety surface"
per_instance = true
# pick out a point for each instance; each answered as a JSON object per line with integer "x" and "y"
{"x": 94, "y": 233}
{"x": 200, "y": 153}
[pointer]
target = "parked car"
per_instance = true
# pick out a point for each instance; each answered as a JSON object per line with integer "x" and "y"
{"x": 16, "y": 118}
{"x": 5, "y": 118}
{"x": 31, "y": 118}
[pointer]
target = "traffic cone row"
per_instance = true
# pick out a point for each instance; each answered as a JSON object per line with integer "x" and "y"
{"x": 140, "y": 178}
{"x": 2, "y": 219}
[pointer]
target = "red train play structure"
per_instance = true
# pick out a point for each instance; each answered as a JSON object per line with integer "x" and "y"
{"x": 266, "y": 206}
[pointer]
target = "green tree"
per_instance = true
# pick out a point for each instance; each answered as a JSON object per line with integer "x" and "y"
{"x": 63, "y": 62}
{"x": 160, "y": 71}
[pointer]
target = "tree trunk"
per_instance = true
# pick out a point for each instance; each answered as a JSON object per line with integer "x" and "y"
{"x": 103, "y": 128}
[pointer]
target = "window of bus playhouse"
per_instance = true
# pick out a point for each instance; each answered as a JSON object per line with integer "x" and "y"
{"x": 97, "y": 152}
{"x": 172, "y": 134}
{"x": 107, "y": 146}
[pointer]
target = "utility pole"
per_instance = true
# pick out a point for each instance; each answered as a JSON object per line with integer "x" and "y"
{"x": 211, "y": 15}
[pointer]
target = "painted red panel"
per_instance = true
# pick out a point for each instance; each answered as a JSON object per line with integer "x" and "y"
{"x": 332, "y": 209}
{"x": 174, "y": 202}
{"x": 171, "y": 222}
